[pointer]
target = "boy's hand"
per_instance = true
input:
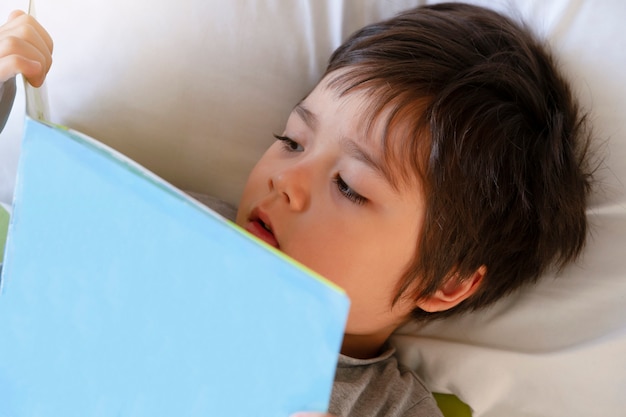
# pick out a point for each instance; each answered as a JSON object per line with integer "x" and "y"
{"x": 25, "y": 48}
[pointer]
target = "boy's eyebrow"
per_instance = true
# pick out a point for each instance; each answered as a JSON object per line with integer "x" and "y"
{"x": 351, "y": 147}
{"x": 306, "y": 115}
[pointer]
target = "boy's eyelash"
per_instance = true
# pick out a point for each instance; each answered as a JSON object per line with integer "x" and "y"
{"x": 348, "y": 192}
{"x": 289, "y": 144}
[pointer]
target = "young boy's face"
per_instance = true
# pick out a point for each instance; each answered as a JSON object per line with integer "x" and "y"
{"x": 320, "y": 195}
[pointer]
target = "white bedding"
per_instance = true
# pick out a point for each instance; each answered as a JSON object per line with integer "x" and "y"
{"x": 195, "y": 89}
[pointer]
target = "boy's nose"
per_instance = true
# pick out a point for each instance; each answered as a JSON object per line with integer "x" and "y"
{"x": 292, "y": 185}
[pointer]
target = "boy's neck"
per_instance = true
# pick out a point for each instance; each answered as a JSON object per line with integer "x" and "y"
{"x": 362, "y": 346}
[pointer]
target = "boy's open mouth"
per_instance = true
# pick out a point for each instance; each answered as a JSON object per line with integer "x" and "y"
{"x": 262, "y": 230}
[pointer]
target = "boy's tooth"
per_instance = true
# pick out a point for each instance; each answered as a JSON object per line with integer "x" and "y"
{"x": 264, "y": 226}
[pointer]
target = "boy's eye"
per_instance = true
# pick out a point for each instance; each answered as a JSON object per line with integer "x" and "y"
{"x": 289, "y": 144}
{"x": 348, "y": 192}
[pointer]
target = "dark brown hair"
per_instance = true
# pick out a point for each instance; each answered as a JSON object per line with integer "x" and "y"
{"x": 477, "y": 109}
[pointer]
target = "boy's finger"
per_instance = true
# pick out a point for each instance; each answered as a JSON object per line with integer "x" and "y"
{"x": 43, "y": 33}
{"x": 31, "y": 70}
{"x": 40, "y": 36}
{"x": 33, "y": 73}
{"x": 15, "y": 14}
{"x": 28, "y": 45}
{"x": 25, "y": 41}
{"x": 42, "y": 42}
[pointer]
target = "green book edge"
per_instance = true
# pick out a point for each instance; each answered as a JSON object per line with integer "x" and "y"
{"x": 4, "y": 227}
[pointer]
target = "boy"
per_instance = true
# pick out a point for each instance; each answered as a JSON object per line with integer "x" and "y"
{"x": 439, "y": 165}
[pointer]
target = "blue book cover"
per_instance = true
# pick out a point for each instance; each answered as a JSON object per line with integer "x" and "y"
{"x": 122, "y": 296}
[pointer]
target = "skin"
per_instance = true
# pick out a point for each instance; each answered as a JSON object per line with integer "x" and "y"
{"x": 329, "y": 206}
{"x": 25, "y": 48}
{"x": 319, "y": 195}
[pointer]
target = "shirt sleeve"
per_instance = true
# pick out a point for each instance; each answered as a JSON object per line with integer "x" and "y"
{"x": 7, "y": 95}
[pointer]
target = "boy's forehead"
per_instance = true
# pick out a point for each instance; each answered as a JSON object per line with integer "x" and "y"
{"x": 384, "y": 130}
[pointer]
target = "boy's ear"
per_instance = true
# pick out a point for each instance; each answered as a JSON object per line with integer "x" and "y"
{"x": 452, "y": 292}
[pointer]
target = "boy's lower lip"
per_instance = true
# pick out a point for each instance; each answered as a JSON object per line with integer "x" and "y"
{"x": 255, "y": 228}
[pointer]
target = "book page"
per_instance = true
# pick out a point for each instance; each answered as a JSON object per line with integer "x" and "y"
{"x": 36, "y": 98}
{"x": 122, "y": 297}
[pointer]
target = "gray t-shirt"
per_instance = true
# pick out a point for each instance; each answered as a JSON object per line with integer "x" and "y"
{"x": 7, "y": 95}
{"x": 379, "y": 387}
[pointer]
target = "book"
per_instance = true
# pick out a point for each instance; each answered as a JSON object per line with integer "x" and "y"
{"x": 4, "y": 225}
{"x": 123, "y": 296}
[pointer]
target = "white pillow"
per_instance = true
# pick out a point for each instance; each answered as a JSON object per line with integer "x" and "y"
{"x": 195, "y": 89}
